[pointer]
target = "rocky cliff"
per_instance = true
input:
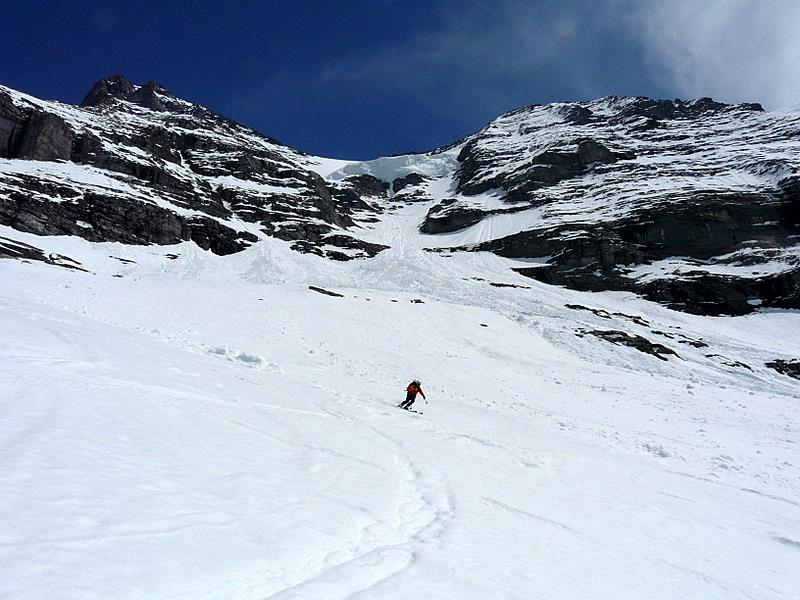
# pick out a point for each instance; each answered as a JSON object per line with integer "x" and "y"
{"x": 695, "y": 204}
{"x": 137, "y": 165}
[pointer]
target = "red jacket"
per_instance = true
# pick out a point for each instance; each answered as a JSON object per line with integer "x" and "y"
{"x": 413, "y": 389}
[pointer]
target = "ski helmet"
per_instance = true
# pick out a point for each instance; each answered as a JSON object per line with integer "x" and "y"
{"x": 417, "y": 382}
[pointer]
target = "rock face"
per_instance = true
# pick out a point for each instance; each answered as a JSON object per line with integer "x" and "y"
{"x": 541, "y": 170}
{"x": 32, "y": 135}
{"x": 693, "y": 204}
{"x": 46, "y": 137}
{"x": 108, "y": 89}
{"x": 441, "y": 218}
{"x": 407, "y": 180}
{"x": 447, "y": 216}
{"x": 148, "y": 168}
{"x": 709, "y": 229}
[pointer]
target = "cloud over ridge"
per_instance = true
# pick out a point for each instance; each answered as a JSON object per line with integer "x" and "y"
{"x": 734, "y": 50}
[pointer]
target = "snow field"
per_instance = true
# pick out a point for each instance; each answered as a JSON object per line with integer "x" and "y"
{"x": 183, "y": 432}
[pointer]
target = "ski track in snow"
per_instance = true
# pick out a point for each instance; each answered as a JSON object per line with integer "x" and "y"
{"x": 422, "y": 520}
{"x": 209, "y": 428}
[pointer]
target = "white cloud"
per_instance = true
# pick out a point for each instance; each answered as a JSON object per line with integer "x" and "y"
{"x": 733, "y": 50}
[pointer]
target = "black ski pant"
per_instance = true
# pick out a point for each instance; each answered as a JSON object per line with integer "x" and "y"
{"x": 408, "y": 401}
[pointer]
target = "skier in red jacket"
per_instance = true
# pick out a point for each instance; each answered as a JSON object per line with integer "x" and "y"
{"x": 414, "y": 388}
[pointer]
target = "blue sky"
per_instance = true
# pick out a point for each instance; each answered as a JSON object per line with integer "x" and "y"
{"x": 363, "y": 79}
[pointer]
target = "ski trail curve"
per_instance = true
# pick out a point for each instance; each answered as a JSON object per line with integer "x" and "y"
{"x": 385, "y": 550}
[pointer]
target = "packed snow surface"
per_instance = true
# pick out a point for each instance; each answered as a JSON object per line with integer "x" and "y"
{"x": 182, "y": 425}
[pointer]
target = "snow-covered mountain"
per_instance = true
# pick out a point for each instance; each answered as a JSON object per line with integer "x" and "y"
{"x": 205, "y": 333}
{"x": 139, "y": 166}
{"x": 695, "y": 204}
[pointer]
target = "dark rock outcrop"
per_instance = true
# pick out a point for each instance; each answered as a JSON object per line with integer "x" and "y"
{"x": 216, "y": 237}
{"x": 575, "y": 114}
{"x": 638, "y": 342}
{"x": 790, "y": 368}
{"x": 31, "y": 134}
{"x": 107, "y": 89}
{"x": 12, "y": 123}
{"x": 45, "y": 137}
{"x": 593, "y": 257}
{"x": 448, "y": 216}
{"x": 368, "y": 185}
{"x": 410, "y": 179}
{"x": 544, "y": 169}
{"x": 347, "y": 242}
{"x": 667, "y": 110}
{"x": 118, "y": 219}
{"x": 21, "y": 251}
{"x": 146, "y": 96}
{"x": 444, "y": 217}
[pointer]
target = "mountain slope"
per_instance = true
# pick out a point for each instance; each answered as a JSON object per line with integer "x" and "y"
{"x": 209, "y": 427}
{"x": 199, "y": 403}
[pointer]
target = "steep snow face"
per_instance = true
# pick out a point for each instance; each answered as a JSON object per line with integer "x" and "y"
{"x": 179, "y": 424}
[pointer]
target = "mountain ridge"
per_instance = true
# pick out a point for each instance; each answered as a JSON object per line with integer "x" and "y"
{"x": 599, "y": 193}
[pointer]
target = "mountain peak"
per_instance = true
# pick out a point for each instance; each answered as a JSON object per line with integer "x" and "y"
{"x": 117, "y": 87}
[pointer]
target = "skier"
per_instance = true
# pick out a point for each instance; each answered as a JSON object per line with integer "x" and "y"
{"x": 414, "y": 388}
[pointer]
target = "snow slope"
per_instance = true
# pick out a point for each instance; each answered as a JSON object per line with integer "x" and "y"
{"x": 208, "y": 427}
